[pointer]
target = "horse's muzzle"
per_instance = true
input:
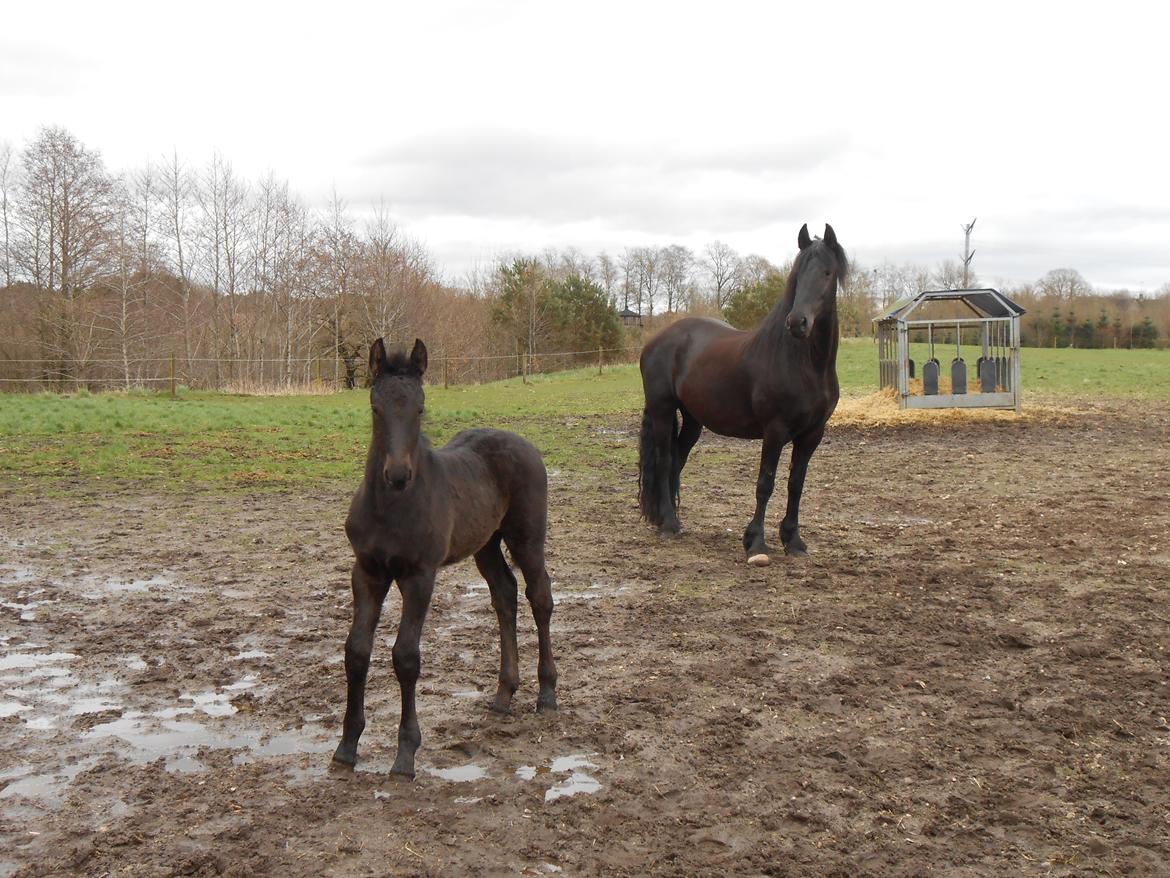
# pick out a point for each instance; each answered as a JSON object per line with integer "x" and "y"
{"x": 799, "y": 325}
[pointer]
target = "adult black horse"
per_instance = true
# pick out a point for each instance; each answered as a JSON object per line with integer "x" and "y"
{"x": 777, "y": 382}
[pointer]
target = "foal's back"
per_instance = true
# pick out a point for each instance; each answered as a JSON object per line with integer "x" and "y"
{"x": 497, "y": 482}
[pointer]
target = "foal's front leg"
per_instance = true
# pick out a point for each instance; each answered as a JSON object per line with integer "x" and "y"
{"x": 753, "y": 537}
{"x": 416, "y": 598}
{"x": 369, "y": 591}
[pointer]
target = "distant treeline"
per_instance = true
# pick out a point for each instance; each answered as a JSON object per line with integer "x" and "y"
{"x": 106, "y": 276}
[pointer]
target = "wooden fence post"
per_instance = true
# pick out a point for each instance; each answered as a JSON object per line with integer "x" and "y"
{"x": 524, "y": 367}
{"x": 446, "y": 371}
{"x": 172, "y": 375}
{"x": 599, "y": 359}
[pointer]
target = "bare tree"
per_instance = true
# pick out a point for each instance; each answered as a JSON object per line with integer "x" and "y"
{"x": 722, "y": 265}
{"x": 607, "y": 276}
{"x": 677, "y": 265}
{"x": 1064, "y": 283}
{"x": 65, "y": 214}
{"x": 223, "y": 230}
{"x": 339, "y": 246}
{"x": 951, "y": 275}
{"x": 6, "y": 186}
{"x": 129, "y": 276}
{"x": 754, "y": 269}
{"x": 383, "y": 272}
{"x": 645, "y": 265}
{"x": 176, "y": 190}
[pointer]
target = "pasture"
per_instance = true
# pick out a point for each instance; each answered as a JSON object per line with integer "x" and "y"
{"x": 968, "y": 676}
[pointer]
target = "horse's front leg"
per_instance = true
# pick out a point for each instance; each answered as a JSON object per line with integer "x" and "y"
{"x": 369, "y": 591}
{"x": 802, "y": 452}
{"x": 416, "y": 598}
{"x": 753, "y": 537}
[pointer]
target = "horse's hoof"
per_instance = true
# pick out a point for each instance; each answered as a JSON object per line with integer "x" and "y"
{"x": 670, "y": 530}
{"x": 795, "y": 552}
{"x": 501, "y": 709}
{"x": 760, "y": 560}
{"x": 343, "y": 759}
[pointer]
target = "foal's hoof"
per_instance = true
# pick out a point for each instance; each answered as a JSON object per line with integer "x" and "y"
{"x": 672, "y": 529}
{"x": 796, "y": 551}
{"x": 760, "y": 560}
{"x": 546, "y": 703}
{"x": 343, "y": 759}
{"x": 406, "y": 772}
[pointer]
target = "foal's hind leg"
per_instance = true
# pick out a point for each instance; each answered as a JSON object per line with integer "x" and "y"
{"x": 529, "y": 555}
{"x": 503, "y": 587}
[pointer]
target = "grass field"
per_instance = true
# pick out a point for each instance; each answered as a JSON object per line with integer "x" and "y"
{"x": 215, "y": 439}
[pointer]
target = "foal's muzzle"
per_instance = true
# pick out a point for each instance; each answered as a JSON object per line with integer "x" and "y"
{"x": 397, "y": 475}
{"x": 799, "y": 325}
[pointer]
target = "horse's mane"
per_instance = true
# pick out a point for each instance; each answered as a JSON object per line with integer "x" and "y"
{"x": 839, "y": 254}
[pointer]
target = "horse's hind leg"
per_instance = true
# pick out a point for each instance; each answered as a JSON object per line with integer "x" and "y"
{"x": 503, "y": 587}
{"x": 368, "y": 594}
{"x": 529, "y": 556}
{"x": 665, "y": 437}
{"x": 688, "y": 435}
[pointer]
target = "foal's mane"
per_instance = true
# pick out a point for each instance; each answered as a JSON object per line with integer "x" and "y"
{"x": 398, "y": 365}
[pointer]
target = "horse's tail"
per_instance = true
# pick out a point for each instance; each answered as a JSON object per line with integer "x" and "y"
{"x": 649, "y": 488}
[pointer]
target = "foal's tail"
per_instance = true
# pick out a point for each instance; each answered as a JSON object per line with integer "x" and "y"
{"x": 649, "y": 486}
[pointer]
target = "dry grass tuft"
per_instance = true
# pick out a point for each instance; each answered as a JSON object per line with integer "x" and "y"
{"x": 881, "y": 409}
{"x": 248, "y": 387}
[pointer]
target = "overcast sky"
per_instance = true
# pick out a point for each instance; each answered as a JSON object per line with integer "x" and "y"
{"x": 494, "y": 126}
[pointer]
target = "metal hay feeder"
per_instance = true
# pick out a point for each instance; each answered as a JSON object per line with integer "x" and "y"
{"x": 989, "y": 313}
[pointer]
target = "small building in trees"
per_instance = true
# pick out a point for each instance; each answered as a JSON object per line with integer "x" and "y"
{"x": 630, "y": 318}
{"x": 986, "y": 320}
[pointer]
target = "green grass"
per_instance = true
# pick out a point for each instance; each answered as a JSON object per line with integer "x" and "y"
{"x": 222, "y": 441}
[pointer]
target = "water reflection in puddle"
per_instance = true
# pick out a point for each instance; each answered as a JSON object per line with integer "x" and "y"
{"x": 150, "y": 739}
{"x": 459, "y": 773}
{"x": 578, "y": 782}
{"x": 97, "y": 587}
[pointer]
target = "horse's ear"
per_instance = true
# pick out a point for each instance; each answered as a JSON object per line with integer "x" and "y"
{"x": 377, "y": 358}
{"x": 803, "y": 240}
{"x": 830, "y": 236}
{"x": 418, "y": 357}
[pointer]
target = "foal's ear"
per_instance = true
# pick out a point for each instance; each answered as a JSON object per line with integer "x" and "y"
{"x": 803, "y": 240}
{"x": 830, "y": 236}
{"x": 377, "y": 358}
{"x": 418, "y": 357}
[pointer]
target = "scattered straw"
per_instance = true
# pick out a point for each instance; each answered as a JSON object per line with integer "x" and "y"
{"x": 881, "y": 409}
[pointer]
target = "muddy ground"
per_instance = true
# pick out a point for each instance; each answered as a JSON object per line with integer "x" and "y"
{"x": 969, "y": 676}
